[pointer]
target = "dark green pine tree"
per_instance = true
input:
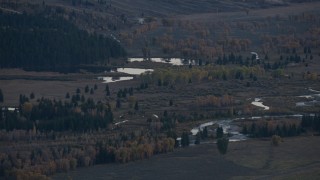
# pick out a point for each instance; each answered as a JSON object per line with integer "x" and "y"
{"x": 136, "y": 106}
{"x": 219, "y": 132}
{"x": 67, "y": 95}
{"x": 1, "y": 96}
{"x": 32, "y": 95}
{"x": 86, "y": 89}
{"x": 185, "y": 139}
{"x": 118, "y": 104}
{"x": 222, "y": 145}
{"x": 107, "y": 90}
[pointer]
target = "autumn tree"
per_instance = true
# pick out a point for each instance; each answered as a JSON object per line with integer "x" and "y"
{"x": 275, "y": 140}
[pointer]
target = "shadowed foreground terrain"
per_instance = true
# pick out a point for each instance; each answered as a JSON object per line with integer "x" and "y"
{"x": 253, "y": 159}
{"x": 191, "y": 163}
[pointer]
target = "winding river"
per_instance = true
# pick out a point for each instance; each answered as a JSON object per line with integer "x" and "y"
{"x": 313, "y": 98}
{"x": 233, "y": 130}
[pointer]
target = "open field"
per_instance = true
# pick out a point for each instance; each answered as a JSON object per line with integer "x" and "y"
{"x": 252, "y": 159}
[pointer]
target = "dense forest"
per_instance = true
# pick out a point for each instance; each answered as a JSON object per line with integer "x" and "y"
{"x": 50, "y": 43}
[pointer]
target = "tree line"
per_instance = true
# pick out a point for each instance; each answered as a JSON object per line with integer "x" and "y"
{"x": 47, "y": 115}
{"x": 311, "y": 122}
{"x": 50, "y": 43}
{"x": 36, "y": 160}
{"x": 283, "y": 129}
{"x": 268, "y": 129}
{"x": 187, "y": 75}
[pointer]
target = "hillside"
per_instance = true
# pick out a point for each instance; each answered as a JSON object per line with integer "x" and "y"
{"x": 179, "y": 20}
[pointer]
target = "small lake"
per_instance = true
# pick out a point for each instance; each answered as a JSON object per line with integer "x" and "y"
{"x": 172, "y": 61}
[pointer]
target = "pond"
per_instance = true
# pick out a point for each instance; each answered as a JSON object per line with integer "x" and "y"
{"x": 114, "y": 79}
{"x": 257, "y": 102}
{"x": 172, "y": 61}
{"x": 129, "y": 71}
{"x": 133, "y": 71}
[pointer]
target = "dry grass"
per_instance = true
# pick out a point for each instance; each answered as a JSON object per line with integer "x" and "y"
{"x": 298, "y": 155}
{"x": 252, "y": 159}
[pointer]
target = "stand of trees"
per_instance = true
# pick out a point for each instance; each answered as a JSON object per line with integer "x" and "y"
{"x": 312, "y": 122}
{"x": 54, "y": 115}
{"x": 36, "y": 161}
{"x": 38, "y": 43}
{"x": 257, "y": 130}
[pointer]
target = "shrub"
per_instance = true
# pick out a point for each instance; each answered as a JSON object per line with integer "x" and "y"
{"x": 275, "y": 140}
{"x": 73, "y": 163}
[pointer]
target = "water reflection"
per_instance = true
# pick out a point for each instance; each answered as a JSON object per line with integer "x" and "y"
{"x": 173, "y": 61}
{"x": 228, "y": 128}
{"x": 313, "y": 99}
{"x": 133, "y": 71}
{"x": 257, "y": 102}
{"x": 114, "y": 79}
